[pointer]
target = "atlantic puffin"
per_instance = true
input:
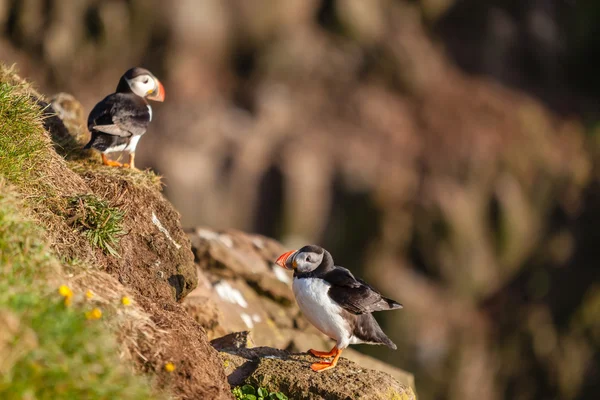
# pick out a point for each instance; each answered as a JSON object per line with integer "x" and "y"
{"x": 118, "y": 122}
{"x": 335, "y": 302}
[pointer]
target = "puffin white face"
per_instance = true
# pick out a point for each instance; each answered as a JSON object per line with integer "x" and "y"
{"x": 142, "y": 85}
{"x": 306, "y": 259}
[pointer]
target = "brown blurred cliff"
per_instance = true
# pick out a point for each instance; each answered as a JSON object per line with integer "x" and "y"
{"x": 348, "y": 123}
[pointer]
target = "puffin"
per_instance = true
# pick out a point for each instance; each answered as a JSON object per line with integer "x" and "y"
{"x": 335, "y": 302}
{"x": 118, "y": 122}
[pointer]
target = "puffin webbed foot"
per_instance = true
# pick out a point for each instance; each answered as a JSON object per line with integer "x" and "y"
{"x": 323, "y": 366}
{"x": 110, "y": 163}
{"x": 324, "y": 354}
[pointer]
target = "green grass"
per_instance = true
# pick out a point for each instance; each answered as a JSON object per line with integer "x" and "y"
{"x": 100, "y": 223}
{"x": 249, "y": 392}
{"x": 22, "y": 148}
{"x": 27, "y": 159}
{"x": 50, "y": 350}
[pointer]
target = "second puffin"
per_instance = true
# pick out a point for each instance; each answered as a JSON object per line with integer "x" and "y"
{"x": 335, "y": 302}
{"x": 118, "y": 122}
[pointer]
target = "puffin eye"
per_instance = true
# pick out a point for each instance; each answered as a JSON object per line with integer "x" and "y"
{"x": 308, "y": 259}
{"x": 145, "y": 80}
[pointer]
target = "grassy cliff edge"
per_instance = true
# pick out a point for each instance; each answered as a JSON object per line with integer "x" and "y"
{"x": 89, "y": 281}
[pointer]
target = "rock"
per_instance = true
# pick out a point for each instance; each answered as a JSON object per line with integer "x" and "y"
{"x": 236, "y": 272}
{"x": 70, "y": 111}
{"x": 290, "y": 373}
{"x": 233, "y": 340}
{"x": 233, "y": 253}
{"x": 206, "y": 313}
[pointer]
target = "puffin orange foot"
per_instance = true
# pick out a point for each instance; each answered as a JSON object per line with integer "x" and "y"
{"x": 110, "y": 163}
{"x": 323, "y": 366}
{"x": 324, "y": 354}
{"x": 131, "y": 163}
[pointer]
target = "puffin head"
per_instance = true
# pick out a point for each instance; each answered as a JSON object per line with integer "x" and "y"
{"x": 141, "y": 82}
{"x": 306, "y": 259}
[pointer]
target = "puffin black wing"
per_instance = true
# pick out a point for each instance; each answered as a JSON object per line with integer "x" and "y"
{"x": 355, "y": 295}
{"x": 119, "y": 115}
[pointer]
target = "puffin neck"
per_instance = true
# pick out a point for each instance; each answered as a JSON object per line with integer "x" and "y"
{"x": 325, "y": 266}
{"x": 123, "y": 86}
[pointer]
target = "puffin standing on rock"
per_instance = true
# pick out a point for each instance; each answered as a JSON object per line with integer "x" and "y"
{"x": 118, "y": 122}
{"x": 335, "y": 302}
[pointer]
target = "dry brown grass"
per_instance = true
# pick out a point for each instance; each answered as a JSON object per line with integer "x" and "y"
{"x": 132, "y": 326}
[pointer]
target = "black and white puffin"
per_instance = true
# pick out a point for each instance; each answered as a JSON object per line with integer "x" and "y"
{"x": 118, "y": 122}
{"x": 335, "y": 302}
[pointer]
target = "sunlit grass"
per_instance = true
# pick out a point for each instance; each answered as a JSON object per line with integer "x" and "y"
{"x": 22, "y": 148}
{"x": 50, "y": 348}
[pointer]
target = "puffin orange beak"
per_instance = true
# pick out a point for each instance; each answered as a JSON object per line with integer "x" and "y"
{"x": 282, "y": 260}
{"x": 158, "y": 94}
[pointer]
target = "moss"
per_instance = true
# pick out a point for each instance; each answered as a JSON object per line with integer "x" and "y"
{"x": 394, "y": 395}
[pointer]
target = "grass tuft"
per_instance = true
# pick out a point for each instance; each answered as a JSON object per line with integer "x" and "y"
{"x": 22, "y": 149}
{"x": 249, "y": 392}
{"x": 100, "y": 223}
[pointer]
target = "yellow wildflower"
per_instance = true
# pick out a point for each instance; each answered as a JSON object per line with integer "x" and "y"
{"x": 95, "y": 313}
{"x": 125, "y": 300}
{"x": 169, "y": 367}
{"x": 89, "y": 294}
{"x": 65, "y": 291}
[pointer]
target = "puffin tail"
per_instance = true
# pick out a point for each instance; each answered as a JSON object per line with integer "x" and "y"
{"x": 368, "y": 330}
{"x": 388, "y": 342}
{"x": 392, "y": 304}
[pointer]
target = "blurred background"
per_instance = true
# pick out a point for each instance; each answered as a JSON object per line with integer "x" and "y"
{"x": 445, "y": 150}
